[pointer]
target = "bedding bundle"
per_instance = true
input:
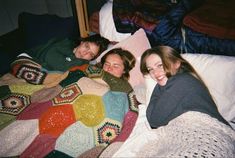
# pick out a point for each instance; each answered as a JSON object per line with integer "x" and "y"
{"x": 185, "y": 25}
{"x": 70, "y": 114}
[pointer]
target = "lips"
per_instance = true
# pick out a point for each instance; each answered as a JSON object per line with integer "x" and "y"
{"x": 160, "y": 77}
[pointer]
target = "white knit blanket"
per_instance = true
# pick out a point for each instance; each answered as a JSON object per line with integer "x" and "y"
{"x": 193, "y": 134}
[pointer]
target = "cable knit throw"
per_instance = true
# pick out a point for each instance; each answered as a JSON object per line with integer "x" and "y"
{"x": 192, "y": 134}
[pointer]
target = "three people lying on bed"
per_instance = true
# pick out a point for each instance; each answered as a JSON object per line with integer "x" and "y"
{"x": 180, "y": 89}
{"x": 62, "y": 54}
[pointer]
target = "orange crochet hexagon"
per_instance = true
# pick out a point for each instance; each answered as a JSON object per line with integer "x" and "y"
{"x": 56, "y": 119}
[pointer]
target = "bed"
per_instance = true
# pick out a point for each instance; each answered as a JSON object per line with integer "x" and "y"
{"x": 85, "y": 112}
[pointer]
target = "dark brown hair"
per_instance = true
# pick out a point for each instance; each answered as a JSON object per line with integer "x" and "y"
{"x": 100, "y": 41}
{"x": 127, "y": 58}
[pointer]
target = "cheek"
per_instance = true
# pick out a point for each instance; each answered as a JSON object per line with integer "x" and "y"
{"x": 105, "y": 68}
{"x": 153, "y": 76}
{"x": 87, "y": 57}
{"x": 118, "y": 72}
{"x": 76, "y": 51}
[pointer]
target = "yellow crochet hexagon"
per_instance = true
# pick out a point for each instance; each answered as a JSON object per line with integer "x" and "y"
{"x": 26, "y": 88}
{"x": 89, "y": 109}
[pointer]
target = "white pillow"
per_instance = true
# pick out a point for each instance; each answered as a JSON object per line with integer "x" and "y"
{"x": 107, "y": 27}
{"x": 218, "y": 73}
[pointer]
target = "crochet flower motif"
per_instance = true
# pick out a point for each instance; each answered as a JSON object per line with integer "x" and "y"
{"x": 107, "y": 131}
{"x": 14, "y": 103}
{"x": 68, "y": 94}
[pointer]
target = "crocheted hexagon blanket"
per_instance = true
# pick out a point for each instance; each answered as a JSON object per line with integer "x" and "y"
{"x": 50, "y": 114}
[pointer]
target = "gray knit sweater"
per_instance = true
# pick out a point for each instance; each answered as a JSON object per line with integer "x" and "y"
{"x": 182, "y": 93}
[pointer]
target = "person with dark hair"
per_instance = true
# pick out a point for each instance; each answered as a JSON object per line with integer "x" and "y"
{"x": 179, "y": 88}
{"x": 62, "y": 54}
{"x": 118, "y": 62}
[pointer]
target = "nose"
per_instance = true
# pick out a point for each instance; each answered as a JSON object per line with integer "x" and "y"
{"x": 85, "y": 52}
{"x": 156, "y": 71}
{"x": 109, "y": 68}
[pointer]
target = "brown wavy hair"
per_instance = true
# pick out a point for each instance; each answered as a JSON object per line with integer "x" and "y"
{"x": 100, "y": 41}
{"x": 127, "y": 58}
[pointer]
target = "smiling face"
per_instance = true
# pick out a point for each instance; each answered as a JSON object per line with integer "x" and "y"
{"x": 86, "y": 50}
{"x": 114, "y": 65}
{"x": 156, "y": 70}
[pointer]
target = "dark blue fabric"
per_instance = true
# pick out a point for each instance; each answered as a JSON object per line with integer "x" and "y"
{"x": 168, "y": 32}
{"x": 38, "y": 29}
{"x": 201, "y": 43}
{"x": 127, "y": 14}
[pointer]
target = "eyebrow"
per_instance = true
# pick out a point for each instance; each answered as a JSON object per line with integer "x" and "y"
{"x": 107, "y": 62}
{"x": 156, "y": 63}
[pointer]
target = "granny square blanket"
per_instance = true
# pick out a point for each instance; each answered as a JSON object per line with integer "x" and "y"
{"x": 53, "y": 114}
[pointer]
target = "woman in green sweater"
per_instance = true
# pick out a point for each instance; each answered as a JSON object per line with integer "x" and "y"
{"x": 62, "y": 54}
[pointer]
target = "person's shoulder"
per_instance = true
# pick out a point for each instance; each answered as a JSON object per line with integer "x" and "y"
{"x": 184, "y": 81}
{"x": 184, "y": 77}
{"x": 59, "y": 40}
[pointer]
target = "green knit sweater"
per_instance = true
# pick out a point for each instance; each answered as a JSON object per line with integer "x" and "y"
{"x": 56, "y": 55}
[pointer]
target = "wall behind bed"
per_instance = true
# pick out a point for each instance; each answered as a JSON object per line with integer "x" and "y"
{"x": 28, "y": 23}
{"x": 10, "y": 9}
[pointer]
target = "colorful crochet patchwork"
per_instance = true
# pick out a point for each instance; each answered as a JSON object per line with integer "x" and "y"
{"x": 14, "y": 103}
{"x": 67, "y": 95}
{"x": 31, "y": 74}
{"x": 85, "y": 111}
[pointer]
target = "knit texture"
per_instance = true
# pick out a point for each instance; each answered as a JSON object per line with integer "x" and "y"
{"x": 192, "y": 134}
{"x": 80, "y": 112}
